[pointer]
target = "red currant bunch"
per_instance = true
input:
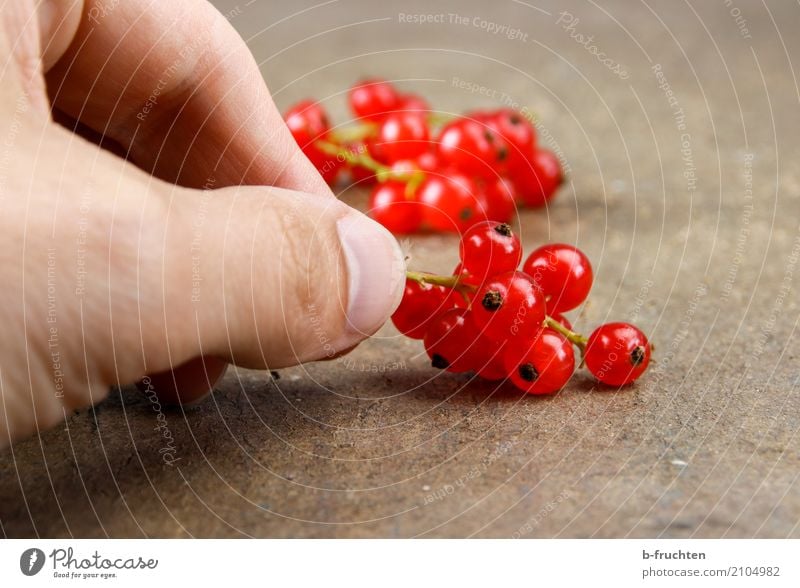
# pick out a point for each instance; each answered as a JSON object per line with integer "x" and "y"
{"x": 503, "y": 323}
{"x": 426, "y": 175}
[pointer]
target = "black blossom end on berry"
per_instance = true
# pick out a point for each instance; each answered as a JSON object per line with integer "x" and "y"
{"x": 528, "y": 372}
{"x": 637, "y": 355}
{"x": 514, "y": 119}
{"x": 502, "y": 154}
{"x": 492, "y": 300}
{"x": 439, "y": 362}
{"x": 465, "y": 214}
{"x": 504, "y": 229}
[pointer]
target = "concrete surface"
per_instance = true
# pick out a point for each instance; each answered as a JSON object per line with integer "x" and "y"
{"x": 689, "y": 211}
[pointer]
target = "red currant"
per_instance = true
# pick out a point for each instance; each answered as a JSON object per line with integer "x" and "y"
{"x": 517, "y": 132}
{"x": 538, "y": 179}
{"x": 563, "y": 273}
{"x": 449, "y": 340}
{"x": 490, "y": 248}
{"x": 428, "y": 161}
{"x": 402, "y": 135}
{"x": 307, "y": 120}
{"x": 450, "y": 202}
{"x": 373, "y": 98}
{"x": 472, "y": 147}
{"x": 542, "y": 366}
{"x": 507, "y": 306}
{"x": 308, "y": 123}
{"x": 488, "y": 358}
{"x": 389, "y": 206}
{"x": 500, "y": 199}
{"x": 617, "y": 353}
{"x": 420, "y": 304}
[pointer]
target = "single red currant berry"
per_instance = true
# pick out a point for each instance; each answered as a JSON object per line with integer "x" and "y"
{"x": 428, "y": 162}
{"x": 308, "y": 123}
{"x": 449, "y": 339}
{"x": 538, "y": 179}
{"x": 472, "y": 147}
{"x": 617, "y": 353}
{"x": 543, "y": 365}
{"x": 373, "y": 98}
{"x": 490, "y": 248}
{"x": 507, "y": 306}
{"x": 517, "y": 132}
{"x": 500, "y": 199}
{"x": 489, "y": 359}
{"x": 389, "y": 206}
{"x": 450, "y": 202}
{"x": 563, "y": 273}
{"x": 402, "y": 135}
{"x": 420, "y": 304}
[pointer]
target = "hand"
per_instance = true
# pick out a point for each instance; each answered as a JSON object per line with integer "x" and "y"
{"x": 211, "y": 240}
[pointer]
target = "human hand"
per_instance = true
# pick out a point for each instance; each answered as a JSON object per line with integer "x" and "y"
{"x": 212, "y": 240}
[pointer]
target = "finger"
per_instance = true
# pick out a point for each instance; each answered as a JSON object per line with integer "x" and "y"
{"x": 176, "y": 86}
{"x": 188, "y": 383}
{"x": 192, "y": 108}
{"x": 282, "y": 277}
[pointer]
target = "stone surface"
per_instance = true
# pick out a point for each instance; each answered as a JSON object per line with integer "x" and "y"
{"x": 689, "y": 212}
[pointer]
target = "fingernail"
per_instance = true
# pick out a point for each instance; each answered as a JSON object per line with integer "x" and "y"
{"x": 376, "y": 274}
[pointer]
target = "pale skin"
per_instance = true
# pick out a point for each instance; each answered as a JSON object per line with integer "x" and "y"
{"x": 193, "y": 236}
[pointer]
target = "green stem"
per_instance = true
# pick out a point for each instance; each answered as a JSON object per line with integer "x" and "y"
{"x": 354, "y": 133}
{"x": 575, "y": 338}
{"x": 452, "y": 282}
{"x": 383, "y": 173}
{"x": 352, "y": 157}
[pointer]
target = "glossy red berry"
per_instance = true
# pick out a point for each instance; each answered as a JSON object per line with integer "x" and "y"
{"x": 489, "y": 359}
{"x": 389, "y": 206}
{"x": 564, "y": 274}
{"x": 420, "y": 304}
{"x": 308, "y": 123}
{"x": 402, "y": 135}
{"x": 507, "y": 306}
{"x": 518, "y": 133}
{"x": 543, "y": 365}
{"x": 617, "y": 353}
{"x": 450, "y": 202}
{"x": 537, "y": 180}
{"x": 428, "y": 161}
{"x": 500, "y": 199}
{"x": 472, "y": 147}
{"x": 490, "y": 248}
{"x": 373, "y": 98}
{"x": 449, "y": 340}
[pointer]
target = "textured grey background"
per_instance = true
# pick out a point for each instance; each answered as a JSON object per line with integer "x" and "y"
{"x": 379, "y": 444}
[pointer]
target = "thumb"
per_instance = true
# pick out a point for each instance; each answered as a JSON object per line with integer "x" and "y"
{"x": 280, "y": 277}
